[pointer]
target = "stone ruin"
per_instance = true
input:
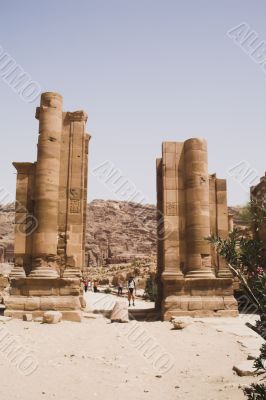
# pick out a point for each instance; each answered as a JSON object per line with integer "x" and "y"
{"x": 192, "y": 205}
{"x": 50, "y": 217}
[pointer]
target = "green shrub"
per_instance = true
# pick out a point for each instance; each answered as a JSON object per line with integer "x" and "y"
{"x": 246, "y": 260}
{"x": 150, "y": 289}
{"x": 256, "y": 392}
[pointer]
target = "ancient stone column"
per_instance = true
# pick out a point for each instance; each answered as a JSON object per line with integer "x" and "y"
{"x": 222, "y": 223}
{"x": 45, "y": 238}
{"x": 198, "y": 262}
{"x": 230, "y": 222}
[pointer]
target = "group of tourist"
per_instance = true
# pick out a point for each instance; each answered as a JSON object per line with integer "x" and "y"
{"x": 131, "y": 286}
{"x": 90, "y": 286}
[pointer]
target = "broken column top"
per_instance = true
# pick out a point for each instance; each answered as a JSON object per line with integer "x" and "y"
{"x": 54, "y": 100}
{"x": 50, "y": 101}
{"x": 48, "y": 96}
{"x": 192, "y": 143}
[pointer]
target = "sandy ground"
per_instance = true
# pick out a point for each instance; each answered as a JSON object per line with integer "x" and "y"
{"x": 97, "y": 359}
{"x": 98, "y": 301}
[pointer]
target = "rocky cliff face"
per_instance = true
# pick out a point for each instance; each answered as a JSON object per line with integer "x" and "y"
{"x": 117, "y": 231}
{"x": 6, "y": 224}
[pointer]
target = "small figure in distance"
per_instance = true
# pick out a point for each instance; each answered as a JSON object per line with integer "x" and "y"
{"x": 131, "y": 288}
{"x": 85, "y": 284}
{"x": 120, "y": 288}
{"x": 95, "y": 286}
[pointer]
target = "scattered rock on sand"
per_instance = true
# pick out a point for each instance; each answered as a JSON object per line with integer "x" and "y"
{"x": 52, "y": 317}
{"x": 120, "y": 312}
{"x": 245, "y": 368}
{"x": 254, "y": 354}
{"x": 180, "y": 323}
{"x": 27, "y": 317}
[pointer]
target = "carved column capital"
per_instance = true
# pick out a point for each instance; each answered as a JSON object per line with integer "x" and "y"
{"x": 77, "y": 116}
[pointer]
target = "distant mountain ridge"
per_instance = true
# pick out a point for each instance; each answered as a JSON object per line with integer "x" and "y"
{"x": 117, "y": 230}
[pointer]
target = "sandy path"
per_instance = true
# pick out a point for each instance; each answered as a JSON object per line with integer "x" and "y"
{"x": 100, "y": 301}
{"x": 96, "y": 359}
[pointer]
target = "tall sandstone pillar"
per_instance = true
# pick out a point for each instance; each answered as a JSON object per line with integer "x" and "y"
{"x": 47, "y": 175}
{"x": 53, "y": 193}
{"x": 193, "y": 279}
{"x": 198, "y": 262}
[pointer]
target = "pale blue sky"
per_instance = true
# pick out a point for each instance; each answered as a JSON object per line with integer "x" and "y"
{"x": 145, "y": 71}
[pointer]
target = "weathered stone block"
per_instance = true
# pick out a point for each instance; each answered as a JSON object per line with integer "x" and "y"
{"x": 15, "y": 291}
{"x": 27, "y": 317}
{"x": 212, "y": 303}
{"x": 120, "y": 312}
{"x": 67, "y": 303}
{"x": 15, "y": 303}
{"x": 32, "y": 303}
{"x": 52, "y": 317}
{"x": 69, "y": 291}
{"x": 246, "y": 368}
{"x": 184, "y": 301}
{"x": 180, "y": 323}
{"x": 227, "y": 313}
{"x": 74, "y": 316}
{"x": 230, "y": 303}
{"x": 47, "y": 303}
{"x": 195, "y": 303}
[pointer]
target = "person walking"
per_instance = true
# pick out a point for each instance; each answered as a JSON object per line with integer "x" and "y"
{"x": 95, "y": 286}
{"x": 120, "y": 288}
{"x": 85, "y": 283}
{"x": 131, "y": 289}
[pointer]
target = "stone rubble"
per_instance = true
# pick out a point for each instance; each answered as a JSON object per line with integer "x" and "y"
{"x": 52, "y": 317}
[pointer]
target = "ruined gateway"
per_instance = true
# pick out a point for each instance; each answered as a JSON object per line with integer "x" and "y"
{"x": 51, "y": 215}
{"x": 192, "y": 205}
{"x": 51, "y": 199}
